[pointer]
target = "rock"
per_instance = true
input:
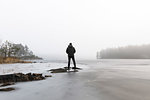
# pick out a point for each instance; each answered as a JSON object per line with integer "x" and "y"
{"x": 48, "y": 75}
{"x": 7, "y": 89}
{"x": 59, "y": 70}
{"x": 37, "y": 76}
{"x": 65, "y": 69}
{"x": 76, "y": 68}
{"x": 7, "y": 84}
{"x": 20, "y": 77}
{"x": 74, "y": 71}
{"x": 72, "y": 68}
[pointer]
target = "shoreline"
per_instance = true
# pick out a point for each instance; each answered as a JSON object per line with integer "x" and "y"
{"x": 12, "y": 60}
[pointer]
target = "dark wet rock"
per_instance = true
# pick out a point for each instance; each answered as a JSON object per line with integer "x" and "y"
{"x": 63, "y": 70}
{"x": 66, "y": 68}
{"x": 48, "y": 75}
{"x": 73, "y": 68}
{"x": 73, "y": 71}
{"x": 76, "y": 68}
{"x": 20, "y": 77}
{"x": 7, "y": 84}
{"x": 37, "y": 76}
{"x": 7, "y": 89}
{"x": 59, "y": 70}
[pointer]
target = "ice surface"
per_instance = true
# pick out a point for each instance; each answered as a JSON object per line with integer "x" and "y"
{"x": 101, "y": 80}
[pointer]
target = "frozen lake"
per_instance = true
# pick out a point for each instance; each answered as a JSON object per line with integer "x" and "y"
{"x": 99, "y": 80}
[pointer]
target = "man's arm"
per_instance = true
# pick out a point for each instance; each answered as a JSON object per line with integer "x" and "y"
{"x": 67, "y": 50}
{"x": 74, "y": 50}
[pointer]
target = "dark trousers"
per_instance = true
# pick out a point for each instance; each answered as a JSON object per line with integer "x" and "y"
{"x": 73, "y": 59}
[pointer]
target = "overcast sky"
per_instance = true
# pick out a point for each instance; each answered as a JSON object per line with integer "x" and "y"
{"x": 48, "y": 26}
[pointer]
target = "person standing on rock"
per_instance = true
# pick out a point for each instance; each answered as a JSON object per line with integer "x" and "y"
{"x": 71, "y": 51}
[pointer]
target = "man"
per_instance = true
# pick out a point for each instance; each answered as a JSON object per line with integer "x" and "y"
{"x": 71, "y": 51}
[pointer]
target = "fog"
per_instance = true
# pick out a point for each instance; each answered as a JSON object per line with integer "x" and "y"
{"x": 48, "y": 26}
{"x": 128, "y": 52}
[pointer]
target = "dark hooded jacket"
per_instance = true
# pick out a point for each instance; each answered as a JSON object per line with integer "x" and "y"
{"x": 70, "y": 50}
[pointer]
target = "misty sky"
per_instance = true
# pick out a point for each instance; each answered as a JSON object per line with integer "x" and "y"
{"x": 48, "y": 26}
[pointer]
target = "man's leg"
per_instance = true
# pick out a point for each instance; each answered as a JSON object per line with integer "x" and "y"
{"x": 69, "y": 62}
{"x": 74, "y": 62}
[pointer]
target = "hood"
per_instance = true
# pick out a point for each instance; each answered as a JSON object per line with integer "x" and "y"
{"x": 70, "y": 46}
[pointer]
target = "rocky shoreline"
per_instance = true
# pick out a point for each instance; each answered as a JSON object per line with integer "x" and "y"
{"x": 64, "y": 70}
{"x": 20, "y": 77}
{"x": 11, "y": 79}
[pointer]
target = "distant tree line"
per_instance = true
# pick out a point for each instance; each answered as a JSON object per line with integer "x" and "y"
{"x": 128, "y": 52}
{"x": 8, "y": 49}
